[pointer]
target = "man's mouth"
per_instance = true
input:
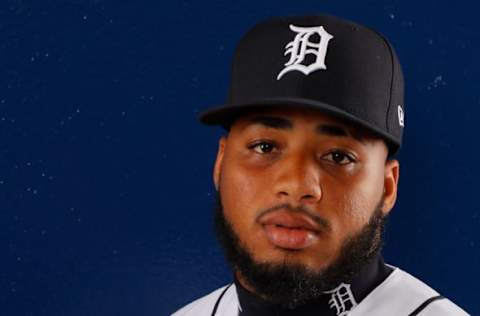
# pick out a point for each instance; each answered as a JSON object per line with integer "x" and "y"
{"x": 288, "y": 230}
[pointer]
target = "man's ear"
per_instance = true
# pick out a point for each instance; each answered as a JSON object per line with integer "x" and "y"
{"x": 218, "y": 162}
{"x": 392, "y": 172}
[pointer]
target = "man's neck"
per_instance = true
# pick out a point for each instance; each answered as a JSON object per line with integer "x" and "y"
{"x": 368, "y": 277}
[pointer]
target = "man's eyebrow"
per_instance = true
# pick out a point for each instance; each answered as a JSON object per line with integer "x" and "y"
{"x": 331, "y": 130}
{"x": 337, "y": 131}
{"x": 272, "y": 121}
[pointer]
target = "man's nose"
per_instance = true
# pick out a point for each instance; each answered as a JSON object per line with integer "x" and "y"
{"x": 298, "y": 179}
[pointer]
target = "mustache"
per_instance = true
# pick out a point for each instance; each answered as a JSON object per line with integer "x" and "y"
{"x": 301, "y": 209}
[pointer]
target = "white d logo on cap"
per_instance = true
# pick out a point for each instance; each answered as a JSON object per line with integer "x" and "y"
{"x": 301, "y": 46}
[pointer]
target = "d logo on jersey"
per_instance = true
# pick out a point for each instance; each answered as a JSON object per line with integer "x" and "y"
{"x": 342, "y": 299}
{"x": 302, "y": 45}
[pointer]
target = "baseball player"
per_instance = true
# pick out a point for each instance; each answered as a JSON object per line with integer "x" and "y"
{"x": 306, "y": 176}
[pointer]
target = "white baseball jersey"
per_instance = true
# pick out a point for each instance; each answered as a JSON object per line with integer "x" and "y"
{"x": 400, "y": 294}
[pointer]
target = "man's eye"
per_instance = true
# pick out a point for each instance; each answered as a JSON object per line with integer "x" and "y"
{"x": 263, "y": 147}
{"x": 339, "y": 157}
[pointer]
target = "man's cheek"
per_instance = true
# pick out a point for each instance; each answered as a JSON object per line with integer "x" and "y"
{"x": 242, "y": 187}
{"x": 356, "y": 209}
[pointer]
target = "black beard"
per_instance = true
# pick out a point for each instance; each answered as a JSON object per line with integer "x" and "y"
{"x": 292, "y": 285}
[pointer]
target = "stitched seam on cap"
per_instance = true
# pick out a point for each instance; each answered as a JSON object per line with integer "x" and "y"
{"x": 387, "y": 119}
{"x": 386, "y": 43}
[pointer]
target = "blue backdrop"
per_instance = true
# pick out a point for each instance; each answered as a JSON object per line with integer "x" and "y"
{"x": 105, "y": 174}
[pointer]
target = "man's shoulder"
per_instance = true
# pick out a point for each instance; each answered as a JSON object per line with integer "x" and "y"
{"x": 406, "y": 295}
{"x": 435, "y": 304}
{"x": 205, "y": 304}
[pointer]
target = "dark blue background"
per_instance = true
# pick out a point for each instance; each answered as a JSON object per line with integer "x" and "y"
{"x": 105, "y": 174}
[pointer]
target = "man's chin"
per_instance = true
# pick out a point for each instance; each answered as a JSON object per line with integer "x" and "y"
{"x": 283, "y": 283}
{"x": 297, "y": 258}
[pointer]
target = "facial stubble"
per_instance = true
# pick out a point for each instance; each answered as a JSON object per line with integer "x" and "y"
{"x": 288, "y": 284}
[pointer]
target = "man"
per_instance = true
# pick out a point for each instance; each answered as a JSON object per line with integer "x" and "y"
{"x": 306, "y": 175}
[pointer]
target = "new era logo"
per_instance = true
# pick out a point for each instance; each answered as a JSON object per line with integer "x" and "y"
{"x": 401, "y": 116}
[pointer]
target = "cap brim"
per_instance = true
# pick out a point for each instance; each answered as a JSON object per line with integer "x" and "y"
{"x": 224, "y": 115}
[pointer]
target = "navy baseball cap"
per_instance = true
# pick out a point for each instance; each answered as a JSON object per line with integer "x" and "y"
{"x": 339, "y": 67}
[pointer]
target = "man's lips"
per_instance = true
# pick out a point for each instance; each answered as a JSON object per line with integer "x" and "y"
{"x": 289, "y": 220}
{"x": 290, "y": 230}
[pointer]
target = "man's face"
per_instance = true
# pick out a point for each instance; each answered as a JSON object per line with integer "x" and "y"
{"x": 297, "y": 185}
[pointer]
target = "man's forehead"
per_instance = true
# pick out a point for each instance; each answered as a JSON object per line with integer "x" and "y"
{"x": 289, "y": 118}
{"x": 291, "y": 114}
